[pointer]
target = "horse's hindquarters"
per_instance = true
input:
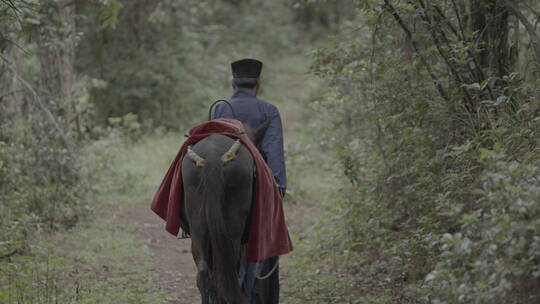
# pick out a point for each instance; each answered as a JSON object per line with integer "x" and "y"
{"x": 217, "y": 201}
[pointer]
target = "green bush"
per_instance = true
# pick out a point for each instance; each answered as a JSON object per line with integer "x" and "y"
{"x": 40, "y": 184}
{"x": 439, "y": 204}
{"x": 494, "y": 258}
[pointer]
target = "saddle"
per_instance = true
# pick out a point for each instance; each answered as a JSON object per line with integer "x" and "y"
{"x": 268, "y": 235}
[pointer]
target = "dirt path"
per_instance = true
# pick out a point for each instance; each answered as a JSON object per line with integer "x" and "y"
{"x": 173, "y": 270}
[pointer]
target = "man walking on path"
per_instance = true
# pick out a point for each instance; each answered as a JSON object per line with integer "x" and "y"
{"x": 253, "y": 112}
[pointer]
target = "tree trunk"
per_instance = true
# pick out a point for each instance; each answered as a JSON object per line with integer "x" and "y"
{"x": 11, "y": 95}
{"x": 490, "y": 24}
{"x": 492, "y": 36}
{"x": 56, "y": 53}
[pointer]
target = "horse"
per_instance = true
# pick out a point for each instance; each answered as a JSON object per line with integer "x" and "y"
{"x": 218, "y": 180}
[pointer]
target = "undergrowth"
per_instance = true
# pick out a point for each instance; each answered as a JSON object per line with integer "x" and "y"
{"x": 96, "y": 261}
{"x": 93, "y": 263}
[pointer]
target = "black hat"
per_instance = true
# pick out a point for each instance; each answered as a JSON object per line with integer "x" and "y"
{"x": 246, "y": 68}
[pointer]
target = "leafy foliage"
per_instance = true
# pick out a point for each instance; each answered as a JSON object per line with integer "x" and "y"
{"x": 437, "y": 140}
{"x": 40, "y": 184}
{"x": 166, "y": 61}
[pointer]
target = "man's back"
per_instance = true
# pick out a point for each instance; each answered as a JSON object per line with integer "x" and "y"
{"x": 253, "y": 112}
{"x": 247, "y": 107}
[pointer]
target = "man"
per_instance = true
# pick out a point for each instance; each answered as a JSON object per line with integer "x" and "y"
{"x": 253, "y": 112}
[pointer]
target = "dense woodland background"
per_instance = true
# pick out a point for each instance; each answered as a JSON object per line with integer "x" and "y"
{"x": 412, "y": 132}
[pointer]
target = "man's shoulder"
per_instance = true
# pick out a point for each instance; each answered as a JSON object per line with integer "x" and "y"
{"x": 250, "y": 101}
{"x": 269, "y": 106}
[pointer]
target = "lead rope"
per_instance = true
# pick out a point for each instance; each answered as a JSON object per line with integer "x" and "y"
{"x": 271, "y": 271}
{"x": 214, "y": 104}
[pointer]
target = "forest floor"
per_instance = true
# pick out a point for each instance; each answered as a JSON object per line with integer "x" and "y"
{"x": 172, "y": 269}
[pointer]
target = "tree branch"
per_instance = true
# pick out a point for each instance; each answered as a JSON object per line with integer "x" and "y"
{"x": 414, "y": 44}
{"x": 425, "y": 16}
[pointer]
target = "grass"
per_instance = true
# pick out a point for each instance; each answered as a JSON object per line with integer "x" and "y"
{"x": 93, "y": 263}
{"x": 98, "y": 261}
{"x": 315, "y": 272}
{"x": 132, "y": 170}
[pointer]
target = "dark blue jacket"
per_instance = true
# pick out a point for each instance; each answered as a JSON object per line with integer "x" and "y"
{"x": 253, "y": 112}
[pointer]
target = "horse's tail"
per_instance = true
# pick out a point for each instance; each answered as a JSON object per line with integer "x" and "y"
{"x": 225, "y": 251}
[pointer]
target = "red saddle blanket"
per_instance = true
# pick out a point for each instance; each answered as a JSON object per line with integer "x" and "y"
{"x": 268, "y": 235}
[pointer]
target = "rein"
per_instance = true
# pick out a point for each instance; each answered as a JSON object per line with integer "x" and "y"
{"x": 214, "y": 104}
{"x": 271, "y": 271}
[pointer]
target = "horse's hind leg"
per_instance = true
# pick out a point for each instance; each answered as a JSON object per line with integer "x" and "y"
{"x": 200, "y": 249}
{"x": 200, "y": 244}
